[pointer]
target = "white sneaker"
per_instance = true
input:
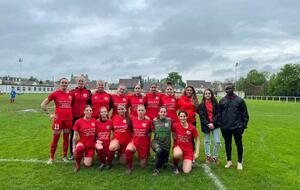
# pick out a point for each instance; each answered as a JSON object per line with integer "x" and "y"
{"x": 50, "y": 161}
{"x": 239, "y": 166}
{"x": 229, "y": 164}
{"x": 65, "y": 159}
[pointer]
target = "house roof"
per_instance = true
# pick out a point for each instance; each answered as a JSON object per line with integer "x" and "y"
{"x": 129, "y": 83}
{"x": 199, "y": 84}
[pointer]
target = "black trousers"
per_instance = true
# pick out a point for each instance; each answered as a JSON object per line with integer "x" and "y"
{"x": 162, "y": 155}
{"x": 237, "y": 134}
{"x": 72, "y": 134}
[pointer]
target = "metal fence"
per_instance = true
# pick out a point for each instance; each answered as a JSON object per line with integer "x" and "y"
{"x": 274, "y": 98}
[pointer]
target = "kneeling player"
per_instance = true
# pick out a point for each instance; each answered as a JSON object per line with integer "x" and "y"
{"x": 85, "y": 128}
{"x": 140, "y": 140}
{"x": 183, "y": 146}
{"x": 103, "y": 130}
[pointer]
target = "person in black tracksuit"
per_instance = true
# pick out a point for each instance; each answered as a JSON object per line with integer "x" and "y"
{"x": 234, "y": 119}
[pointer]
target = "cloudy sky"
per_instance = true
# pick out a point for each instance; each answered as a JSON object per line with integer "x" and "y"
{"x": 119, "y": 39}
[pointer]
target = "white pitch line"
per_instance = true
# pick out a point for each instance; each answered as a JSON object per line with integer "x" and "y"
{"x": 214, "y": 178}
{"x": 30, "y": 160}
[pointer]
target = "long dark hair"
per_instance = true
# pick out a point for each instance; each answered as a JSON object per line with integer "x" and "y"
{"x": 213, "y": 99}
{"x": 194, "y": 96}
{"x": 127, "y": 117}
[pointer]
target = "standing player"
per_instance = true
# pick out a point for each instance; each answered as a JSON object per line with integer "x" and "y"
{"x": 183, "y": 146}
{"x": 122, "y": 131}
{"x": 161, "y": 142}
{"x": 80, "y": 98}
{"x": 170, "y": 102}
{"x": 100, "y": 99}
{"x": 208, "y": 112}
{"x": 85, "y": 128}
{"x": 135, "y": 100}
{"x": 153, "y": 101}
{"x": 140, "y": 140}
{"x": 119, "y": 98}
{"x": 103, "y": 131}
{"x": 12, "y": 95}
{"x": 62, "y": 119}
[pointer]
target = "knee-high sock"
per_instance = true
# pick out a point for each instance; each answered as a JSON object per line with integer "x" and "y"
{"x": 175, "y": 161}
{"x": 101, "y": 156}
{"x": 53, "y": 146}
{"x": 65, "y": 143}
{"x": 110, "y": 157}
{"x": 129, "y": 155}
{"x": 79, "y": 152}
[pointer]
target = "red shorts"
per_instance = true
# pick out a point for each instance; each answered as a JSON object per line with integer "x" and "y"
{"x": 61, "y": 124}
{"x": 187, "y": 154}
{"x": 143, "y": 150}
{"x": 122, "y": 146}
{"x": 88, "y": 151}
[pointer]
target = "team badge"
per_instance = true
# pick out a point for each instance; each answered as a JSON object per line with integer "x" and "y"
{"x": 188, "y": 132}
{"x": 124, "y": 99}
{"x": 124, "y": 121}
{"x": 95, "y": 97}
{"x": 70, "y": 97}
{"x": 140, "y": 100}
{"x": 93, "y": 124}
{"x": 166, "y": 124}
{"x": 173, "y": 100}
{"x": 106, "y": 98}
{"x": 85, "y": 95}
{"x": 76, "y": 93}
{"x": 156, "y": 97}
{"x": 144, "y": 125}
{"x": 107, "y": 127}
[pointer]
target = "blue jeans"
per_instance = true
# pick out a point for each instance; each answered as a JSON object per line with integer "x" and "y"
{"x": 217, "y": 143}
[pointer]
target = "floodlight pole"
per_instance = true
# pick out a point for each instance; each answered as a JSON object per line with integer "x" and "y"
{"x": 236, "y": 66}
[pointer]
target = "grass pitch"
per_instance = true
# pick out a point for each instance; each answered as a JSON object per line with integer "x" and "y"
{"x": 271, "y": 151}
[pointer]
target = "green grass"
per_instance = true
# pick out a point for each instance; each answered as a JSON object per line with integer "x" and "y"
{"x": 271, "y": 150}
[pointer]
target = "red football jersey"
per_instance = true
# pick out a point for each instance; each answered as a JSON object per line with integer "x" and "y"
{"x": 186, "y": 104}
{"x": 153, "y": 103}
{"x": 63, "y": 104}
{"x": 170, "y": 103}
{"x": 100, "y": 99}
{"x": 134, "y": 101}
{"x": 119, "y": 99}
{"x": 87, "y": 131}
{"x": 141, "y": 130}
{"x": 183, "y": 136}
{"x": 121, "y": 130}
{"x": 80, "y": 97}
{"x": 103, "y": 130}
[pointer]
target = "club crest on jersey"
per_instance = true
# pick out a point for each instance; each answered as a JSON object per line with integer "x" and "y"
{"x": 124, "y": 99}
{"x": 140, "y": 100}
{"x": 95, "y": 97}
{"x": 85, "y": 95}
{"x": 144, "y": 125}
{"x": 70, "y": 97}
{"x": 188, "y": 132}
{"x": 107, "y": 127}
{"x": 173, "y": 100}
{"x": 93, "y": 124}
{"x": 156, "y": 97}
{"x": 124, "y": 121}
{"x": 106, "y": 98}
{"x": 166, "y": 124}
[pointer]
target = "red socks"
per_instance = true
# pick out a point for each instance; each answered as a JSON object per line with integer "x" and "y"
{"x": 110, "y": 157}
{"x": 129, "y": 155}
{"x": 65, "y": 143}
{"x": 54, "y": 145}
{"x": 101, "y": 156}
{"x": 79, "y": 151}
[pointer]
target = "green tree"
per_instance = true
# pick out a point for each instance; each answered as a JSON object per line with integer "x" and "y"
{"x": 175, "y": 78}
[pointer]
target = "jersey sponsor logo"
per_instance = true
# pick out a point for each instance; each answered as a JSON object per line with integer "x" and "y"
{"x": 85, "y": 95}
{"x": 107, "y": 127}
{"x": 188, "y": 132}
{"x": 95, "y": 97}
{"x": 93, "y": 124}
{"x": 76, "y": 93}
{"x": 124, "y": 121}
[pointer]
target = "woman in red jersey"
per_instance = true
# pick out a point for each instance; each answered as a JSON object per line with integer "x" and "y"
{"x": 62, "y": 119}
{"x": 169, "y": 101}
{"x": 189, "y": 102}
{"x": 122, "y": 130}
{"x": 183, "y": 133}
{"x": 135, "y": 100}
{"x": 103, "y": 131}
{"x": 80, "y": 98}
{"x": 119, "y": 98}
{"x": 85, "y": 128}
{"x": 100, "y": 99}
{"x": 153, "y": 101}
{"x": 140, "y": 140}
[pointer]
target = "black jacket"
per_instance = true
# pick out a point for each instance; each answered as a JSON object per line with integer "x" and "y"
{"x": 233, "y": 113}
{"x": 202, "y": 111}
